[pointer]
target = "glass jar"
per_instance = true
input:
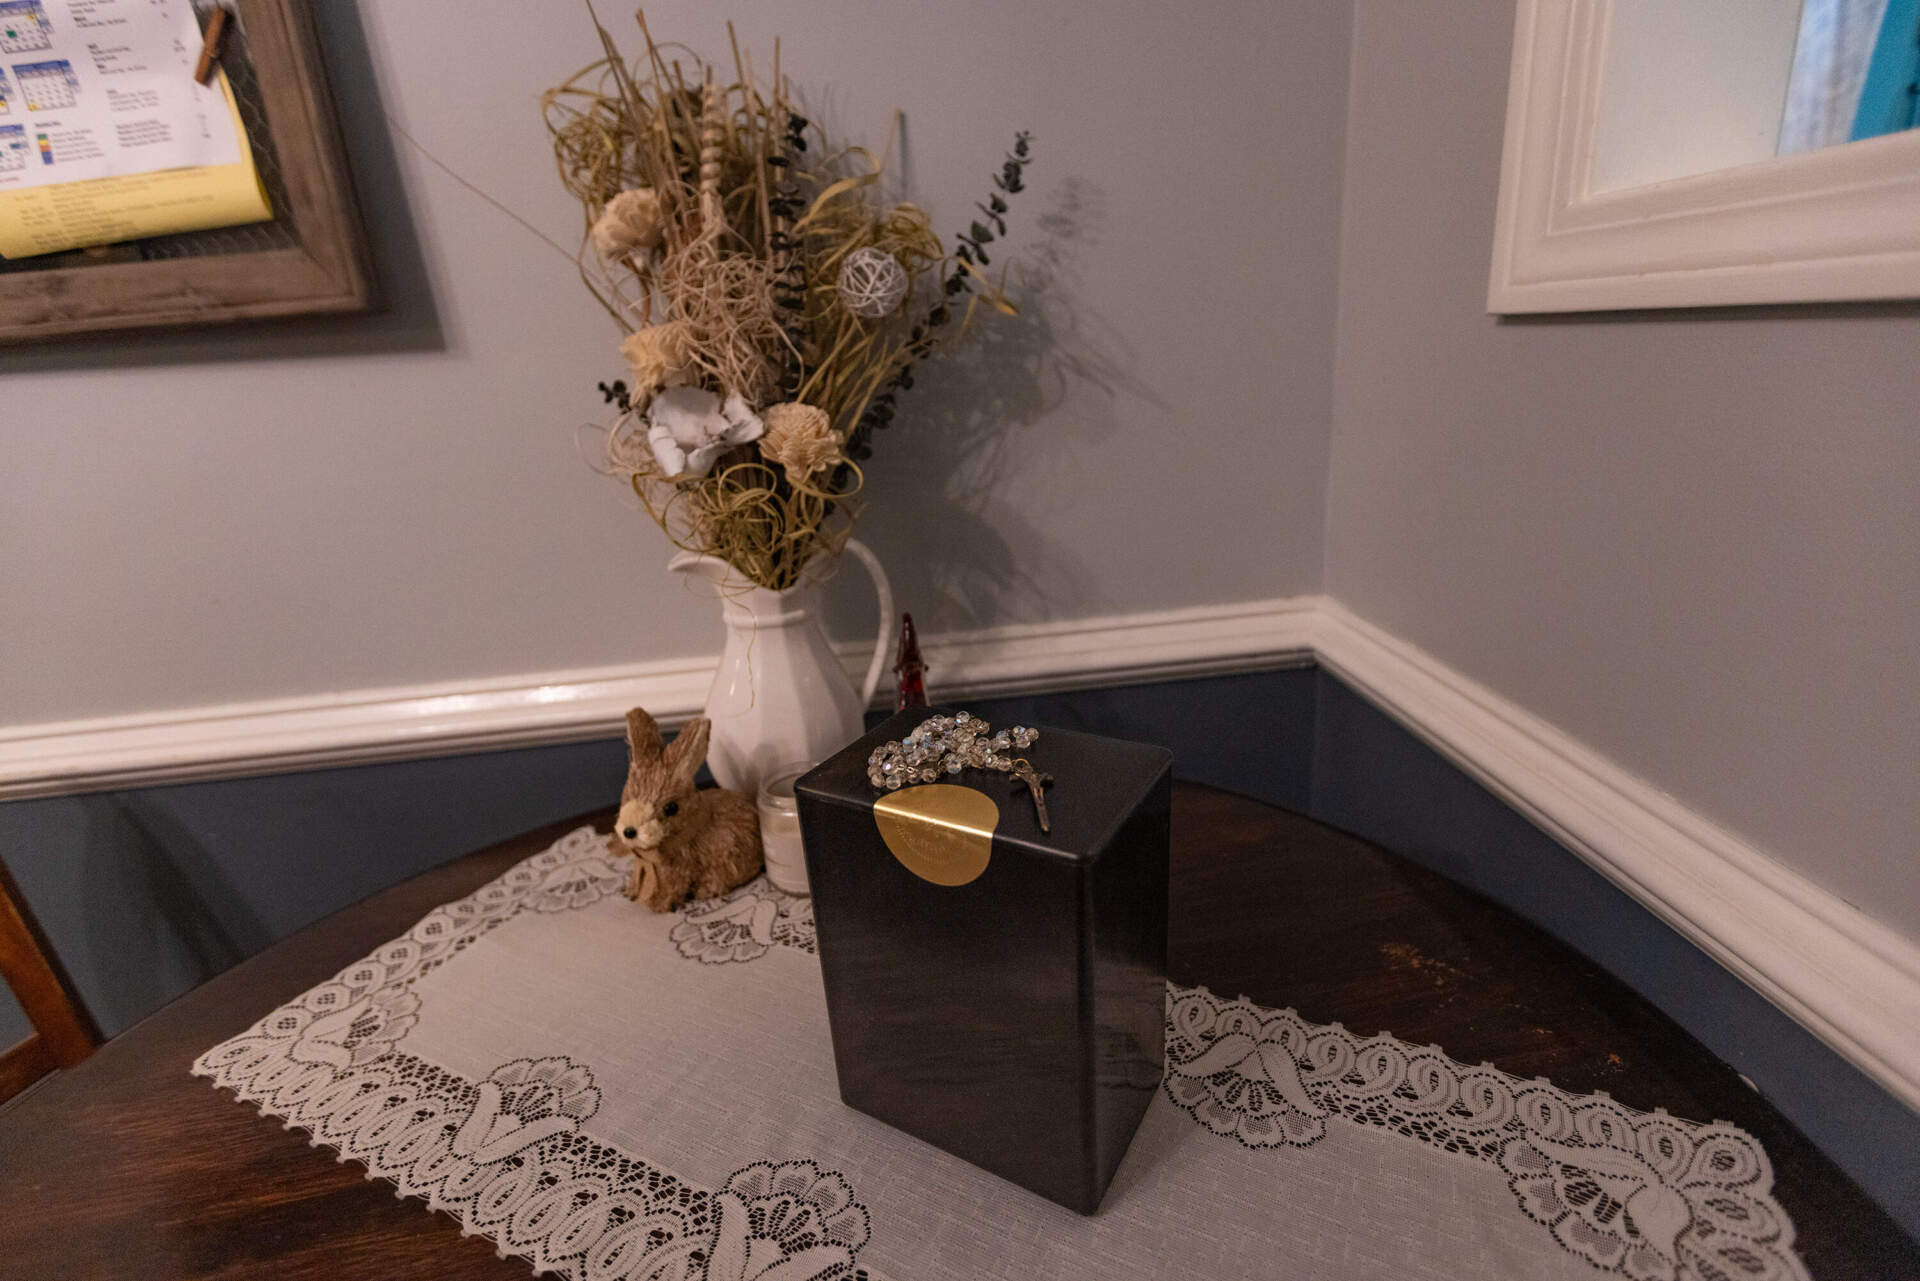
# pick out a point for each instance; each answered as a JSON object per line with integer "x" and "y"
{"x": 780, "y": 828}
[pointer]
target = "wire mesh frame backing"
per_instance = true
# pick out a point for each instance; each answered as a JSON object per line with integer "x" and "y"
{"x": 250, "y": 238}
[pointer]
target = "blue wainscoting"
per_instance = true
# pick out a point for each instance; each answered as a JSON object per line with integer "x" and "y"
{"x": 148, "y": 892}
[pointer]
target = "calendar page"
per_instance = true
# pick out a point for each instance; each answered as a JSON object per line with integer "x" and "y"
{"x": 105, "y": 88}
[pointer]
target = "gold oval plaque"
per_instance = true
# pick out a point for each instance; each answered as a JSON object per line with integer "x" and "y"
{"x": 941, "y": 832}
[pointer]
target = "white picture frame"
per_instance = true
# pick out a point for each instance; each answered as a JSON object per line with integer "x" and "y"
{"x": 1842, "y": 223}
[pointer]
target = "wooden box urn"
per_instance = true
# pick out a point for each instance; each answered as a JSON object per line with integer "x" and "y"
{"x": 996, "y": 989}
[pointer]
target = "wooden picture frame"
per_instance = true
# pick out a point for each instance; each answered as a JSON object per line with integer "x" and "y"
{"x": 321, "y": 266}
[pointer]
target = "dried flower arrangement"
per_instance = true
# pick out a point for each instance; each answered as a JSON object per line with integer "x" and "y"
{"x": 774, "y": 306}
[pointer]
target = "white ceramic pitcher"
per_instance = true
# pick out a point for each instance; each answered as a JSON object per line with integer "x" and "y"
{"x": 781, "y": 694}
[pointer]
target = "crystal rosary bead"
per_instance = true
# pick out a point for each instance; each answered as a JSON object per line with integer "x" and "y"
{"x": 946, "y": 745}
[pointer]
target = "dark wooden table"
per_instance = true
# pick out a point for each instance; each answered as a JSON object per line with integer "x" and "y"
{"x": 128, "y": 1167}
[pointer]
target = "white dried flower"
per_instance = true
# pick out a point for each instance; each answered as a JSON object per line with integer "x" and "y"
{"x": 689, "y": 427}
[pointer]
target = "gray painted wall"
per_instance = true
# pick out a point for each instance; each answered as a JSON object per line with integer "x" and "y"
{"x": 1687, "y": 539}
{"x": 292, "y": 510}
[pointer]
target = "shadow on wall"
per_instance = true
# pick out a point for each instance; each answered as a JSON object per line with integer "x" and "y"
{"x": 1858, "y": 312}
{"x": 406, "y": 318}
{"x": 165, "y": 911}
{"x": 962, "y": 551}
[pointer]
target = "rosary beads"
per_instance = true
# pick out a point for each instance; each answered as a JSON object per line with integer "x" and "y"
{"x": 943, "y": 745}
{"x": 946, "y": 745}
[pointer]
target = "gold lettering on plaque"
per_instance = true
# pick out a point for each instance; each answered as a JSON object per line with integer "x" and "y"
{"x": 941, "y": 832}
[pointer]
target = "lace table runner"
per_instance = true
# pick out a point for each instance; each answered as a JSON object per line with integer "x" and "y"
{"x": 609, "y": 1093}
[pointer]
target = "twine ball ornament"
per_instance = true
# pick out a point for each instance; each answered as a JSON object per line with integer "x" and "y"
{"x": 872, "y": 283}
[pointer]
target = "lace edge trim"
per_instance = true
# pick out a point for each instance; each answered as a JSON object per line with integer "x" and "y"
{"x": 505, "y": 1158}
{"x": 372, "y": 1173}
{"x": 1645, "y": 1194}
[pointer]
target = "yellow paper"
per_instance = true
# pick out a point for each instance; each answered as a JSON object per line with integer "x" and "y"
{"x": 105, "y": 211}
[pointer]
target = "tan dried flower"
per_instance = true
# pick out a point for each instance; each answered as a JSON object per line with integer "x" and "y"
{"x": 630, "y": 222}
{"x": 798, "y": 438}
{"x": 659, "y": 355}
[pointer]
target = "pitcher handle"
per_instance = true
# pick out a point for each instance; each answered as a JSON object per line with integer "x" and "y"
{"x": 883, "y": 642}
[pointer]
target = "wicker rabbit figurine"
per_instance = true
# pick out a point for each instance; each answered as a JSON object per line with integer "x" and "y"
{"x": 686, "y": 843}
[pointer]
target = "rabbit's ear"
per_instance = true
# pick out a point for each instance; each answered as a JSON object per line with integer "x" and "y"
{"x": 688, "y": 751}
{"x": 643, "y": 735}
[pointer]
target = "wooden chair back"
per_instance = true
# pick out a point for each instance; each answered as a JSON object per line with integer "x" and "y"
{"x": 64, "y": 1033}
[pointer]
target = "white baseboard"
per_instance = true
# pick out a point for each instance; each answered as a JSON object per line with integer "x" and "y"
{"x": 1850, "y": 980}
{"x": 1844, "y": 976}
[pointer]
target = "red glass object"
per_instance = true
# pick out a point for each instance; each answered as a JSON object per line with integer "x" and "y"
{"x": 909, "y": 668}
